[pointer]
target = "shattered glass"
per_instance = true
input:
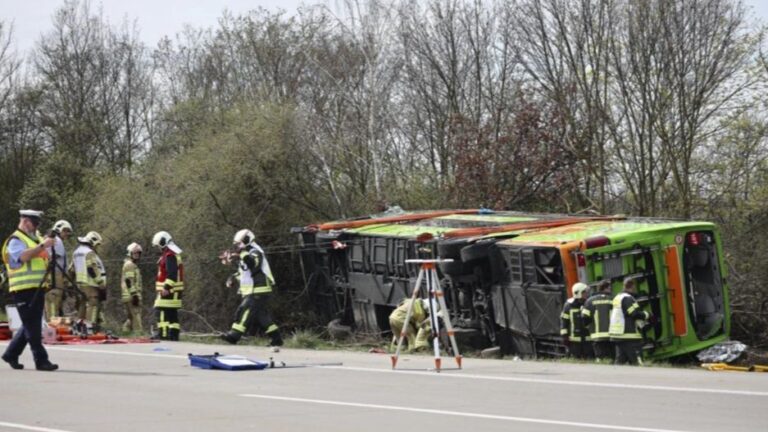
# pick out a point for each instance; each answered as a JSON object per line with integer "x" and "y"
{"x": 724, "y": 352}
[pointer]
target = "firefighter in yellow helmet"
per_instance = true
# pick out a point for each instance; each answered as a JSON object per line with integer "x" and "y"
{"x": 26, "y": 262}
{"x": 90, "y": 276}
{"x": 130, "y": 287}
{"x": 255, "y": 286}
{"x": 417, "y": 329}
{"x": 53, "y": 298}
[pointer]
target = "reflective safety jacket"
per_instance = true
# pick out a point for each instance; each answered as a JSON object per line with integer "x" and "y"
{"x": 31, "y": 273}
{"x": 571, "y": 321}
{"x": 130, "y": 281}
{"x": 419, "y": 316}
{"x": 597, "y": 316}
{"x": 624, "y": 317}
{"x": 253, "y": 276}
{"x": 89, "y": 270}
{"x": 170, "y": 273}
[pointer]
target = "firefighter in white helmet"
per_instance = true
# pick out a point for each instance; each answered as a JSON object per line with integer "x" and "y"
{"x": 572, "y": 326}
{"x": 418, "y": 328}
{"x": 255, "y": 286}
{"x": 90, "y": 277}
{"x": 131, "y": 286}
{"x": 169, "y": 285}
{"x": 61, "y": 231}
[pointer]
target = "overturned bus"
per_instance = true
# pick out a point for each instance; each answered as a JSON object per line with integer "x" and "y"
{"x": 511, "y": 273}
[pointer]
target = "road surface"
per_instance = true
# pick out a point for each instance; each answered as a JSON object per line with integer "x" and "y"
{"x": 152, "y": 387}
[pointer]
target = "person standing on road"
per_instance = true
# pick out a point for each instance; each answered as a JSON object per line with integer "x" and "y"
{"x": 53, "y": 298}
{"x": 597, "y": 316}
{"x": 626, "y": 320}
{"x": 255, "y": 282}
{"x": 130, "y": 287}
{"x": 572, "y": 329}
{"x": 169, "y": 286}
{"x": 26, "y": 262}
{"x": 91, "y": 277}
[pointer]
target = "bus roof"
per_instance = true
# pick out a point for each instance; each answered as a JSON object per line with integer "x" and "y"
{"x": 614, "y": 230}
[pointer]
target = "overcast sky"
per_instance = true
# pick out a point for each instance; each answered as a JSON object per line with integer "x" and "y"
{"x": 157, "y": 18}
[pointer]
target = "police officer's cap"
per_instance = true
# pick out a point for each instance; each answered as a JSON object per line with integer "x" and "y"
{"x": 35, "y": 215}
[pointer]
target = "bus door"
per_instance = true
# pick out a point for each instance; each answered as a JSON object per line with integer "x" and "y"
{"x": 641, "y": 261}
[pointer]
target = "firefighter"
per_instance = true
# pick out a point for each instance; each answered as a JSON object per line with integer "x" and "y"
{"x": 26, "y": 262}
{"x": 572, "y": 327}
{"x": 169, "y": 286}
{"x": 597, "y": 316}
{"x": 62, "y": 230}
{"x": 90, "y": 277}
{"x": 417, "y": 329}
{"x": 130, "y": 286}
{"x": 255, "y": 281}
{"x": 626, "y": 320}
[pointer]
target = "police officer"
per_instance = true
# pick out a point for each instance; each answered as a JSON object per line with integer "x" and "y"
{"x": 90, "y": 276}
{"x": 255, "y": 286}
{"x": 418, "y": 327}
{"x": 572, "y": 329}
{"x": 130, "y": 287}
{"x": 26, "y": 262}
{"x": 169, "y": 285}
{"x": 53, "y": 298}
{"x": 597, "y": 316}
{"x": 626, "y": 319}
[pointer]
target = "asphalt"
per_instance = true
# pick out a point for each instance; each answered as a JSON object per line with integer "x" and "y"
{"x": 152, "y": 387}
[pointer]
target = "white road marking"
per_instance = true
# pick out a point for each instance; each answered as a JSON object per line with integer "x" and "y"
{"x": 462, "y": 414}
{"x": 30, "y": 428}
{"x": 557, "y": 382}
{"x": 462, "y": 375}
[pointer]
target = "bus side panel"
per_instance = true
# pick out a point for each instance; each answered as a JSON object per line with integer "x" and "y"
{"x": 676, "y": 295}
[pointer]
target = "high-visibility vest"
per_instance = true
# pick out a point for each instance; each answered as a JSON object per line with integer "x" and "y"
{"x": 83, "y": 258}
{"x": 31, "y": 273}
{"x": 418, "y": 314}
{"x": 624, "y": 316}
{"x": 250, "y": 283}
{"x": 177, "y": 286}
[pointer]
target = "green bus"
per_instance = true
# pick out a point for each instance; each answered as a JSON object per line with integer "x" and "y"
{"x": 512, "y": 272}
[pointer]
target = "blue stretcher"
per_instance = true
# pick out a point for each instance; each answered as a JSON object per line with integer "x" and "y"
{"x": 225, "y": 362}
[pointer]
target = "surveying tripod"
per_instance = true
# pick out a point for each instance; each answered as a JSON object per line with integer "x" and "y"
{"x": 428, "y": 270}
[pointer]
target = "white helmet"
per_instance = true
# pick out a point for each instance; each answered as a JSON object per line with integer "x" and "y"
{"x": 579, "y": 289}
{"x": 92, "y": 238}
{"x": 244, "y": 236}
{"x": 133, "y": 247}
{"x": 61, "y": 225}
{"x": 161, "y": 239}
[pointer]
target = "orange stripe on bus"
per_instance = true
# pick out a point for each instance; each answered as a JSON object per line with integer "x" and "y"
{"x": 676, "y": 295}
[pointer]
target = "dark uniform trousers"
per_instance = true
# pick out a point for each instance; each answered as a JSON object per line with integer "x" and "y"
{"x": 168, "y": 323}
{"x": 253, "y": 308}
{"x": 30, "y": 303}
{"x": 629, "y": 351}
{"x": 603, "y": 349}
